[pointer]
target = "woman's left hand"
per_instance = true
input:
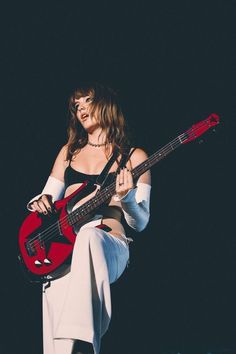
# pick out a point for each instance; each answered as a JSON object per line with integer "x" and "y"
{"x": 124, "y": 182}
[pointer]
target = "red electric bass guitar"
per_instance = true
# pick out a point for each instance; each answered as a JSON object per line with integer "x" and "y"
{"x": 46, "y": 242}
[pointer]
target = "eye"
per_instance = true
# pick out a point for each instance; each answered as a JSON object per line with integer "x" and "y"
{"x": 89, "y": 99}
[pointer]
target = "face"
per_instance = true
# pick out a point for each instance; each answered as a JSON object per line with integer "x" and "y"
{"x": 84, "y": 116}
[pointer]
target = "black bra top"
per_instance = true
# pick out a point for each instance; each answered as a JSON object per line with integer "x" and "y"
{"x": 73, "y": 176}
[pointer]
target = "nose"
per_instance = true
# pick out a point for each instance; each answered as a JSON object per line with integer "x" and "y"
{"x": 81, "y": 107}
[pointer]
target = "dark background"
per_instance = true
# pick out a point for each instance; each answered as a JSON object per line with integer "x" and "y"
{"x": 172, "y": 63}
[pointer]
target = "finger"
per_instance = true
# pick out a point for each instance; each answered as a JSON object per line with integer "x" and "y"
{"x": 35, "y": 206}
{"x": 123, "y": 183}
{"x": 128, "y": 180}
{"x": 47, "y": 200}
{"x": 119, "y": 182}
{"x": 121, "y": 177}
{"x": 42, "y": 206}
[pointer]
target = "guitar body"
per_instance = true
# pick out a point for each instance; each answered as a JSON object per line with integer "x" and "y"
{"x": 46, "y": 241}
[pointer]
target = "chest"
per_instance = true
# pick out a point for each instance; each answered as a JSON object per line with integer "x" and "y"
{"x": 91, "y": 162}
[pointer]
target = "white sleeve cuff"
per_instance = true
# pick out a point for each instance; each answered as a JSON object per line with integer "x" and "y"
{"x": 53, "y": 187}
{"x": 136, "y": 206}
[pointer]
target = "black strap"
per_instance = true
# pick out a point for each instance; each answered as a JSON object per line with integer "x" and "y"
{"x": 103, "y": 175}
{"x": 124, "y": 158}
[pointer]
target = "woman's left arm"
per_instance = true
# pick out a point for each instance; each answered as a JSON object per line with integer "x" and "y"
{"x": 135, "y": 199}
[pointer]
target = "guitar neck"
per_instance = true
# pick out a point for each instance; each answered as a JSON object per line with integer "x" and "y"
{"x": 158, "y": 155}
{"x": 105, "y": 194}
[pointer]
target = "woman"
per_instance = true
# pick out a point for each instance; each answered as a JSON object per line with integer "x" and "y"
{"x": 77, "y": 306}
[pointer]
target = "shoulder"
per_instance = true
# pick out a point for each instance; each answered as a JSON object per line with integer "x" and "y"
{"x": 62, "y": 155}
{"x": 138, "y": 155}
{"x": 60, "y": 164}
{"x": 61, "y": 161}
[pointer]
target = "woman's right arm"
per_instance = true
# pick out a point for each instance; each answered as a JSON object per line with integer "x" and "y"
{"x": 54, "y": 187}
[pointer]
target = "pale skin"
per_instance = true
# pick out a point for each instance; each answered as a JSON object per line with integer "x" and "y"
{"x": 91, "y": 160}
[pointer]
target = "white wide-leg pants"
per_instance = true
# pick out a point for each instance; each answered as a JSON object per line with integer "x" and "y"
{"x": 78, "y": 305}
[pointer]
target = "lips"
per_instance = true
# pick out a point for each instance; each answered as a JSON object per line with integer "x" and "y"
{"x": 84, "y": 116}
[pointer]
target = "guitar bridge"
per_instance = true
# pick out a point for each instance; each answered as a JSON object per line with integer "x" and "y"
{"x": 30, "y": 248}
{"x": 32, "y": 244}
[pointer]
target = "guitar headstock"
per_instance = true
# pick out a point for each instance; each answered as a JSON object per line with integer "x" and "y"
{"x": 200, "y": 128}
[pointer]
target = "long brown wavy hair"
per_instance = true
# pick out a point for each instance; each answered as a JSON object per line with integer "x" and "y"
{"x": 104, "y": 104}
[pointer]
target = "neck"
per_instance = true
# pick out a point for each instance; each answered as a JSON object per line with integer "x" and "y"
{"x": 96, "y": 138}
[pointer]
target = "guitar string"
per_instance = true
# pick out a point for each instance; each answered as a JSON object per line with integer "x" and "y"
{"x": 85, "y": 208}
{"x": 49, "y": 232}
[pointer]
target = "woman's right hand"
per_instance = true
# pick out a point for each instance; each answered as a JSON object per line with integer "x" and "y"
{"x": 43, "y": 205}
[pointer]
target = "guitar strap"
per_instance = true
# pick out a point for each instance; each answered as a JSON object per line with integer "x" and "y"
{"x": 103, "y": 175}
{"x": 101, "y": 179}
{"x": 125, "y": 157}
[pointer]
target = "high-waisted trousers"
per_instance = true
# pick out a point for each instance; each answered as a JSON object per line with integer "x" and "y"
{"x": 77, "y": 306}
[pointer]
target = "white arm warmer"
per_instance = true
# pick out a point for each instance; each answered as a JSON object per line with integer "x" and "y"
{"x": 53, "y": 187}
{"x": 136, "y": 206}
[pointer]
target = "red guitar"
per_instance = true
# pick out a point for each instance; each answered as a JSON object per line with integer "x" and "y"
{"x": 46, "y": 242}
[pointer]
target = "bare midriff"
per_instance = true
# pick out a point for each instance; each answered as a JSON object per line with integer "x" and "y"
{"x": 111, "y": 212}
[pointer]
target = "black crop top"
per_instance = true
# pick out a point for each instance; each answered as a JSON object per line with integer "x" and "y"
{"x": 73, "y": 176}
